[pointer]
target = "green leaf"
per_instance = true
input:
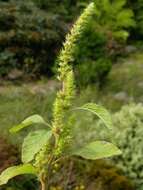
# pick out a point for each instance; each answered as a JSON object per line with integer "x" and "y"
{"x": 121, "y": 34}
{"x": 97, "y": 150}
{"x": 15, "y": 171}
{"x": 33, "y": 142}
{"x": 34, "y": 119}
{"x": 100, "y": 111}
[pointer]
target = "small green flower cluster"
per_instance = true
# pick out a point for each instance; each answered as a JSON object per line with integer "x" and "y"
{"x": 40, "y": 162}
{"x": 66, "y": 95}
{"x": 66, "y": 76}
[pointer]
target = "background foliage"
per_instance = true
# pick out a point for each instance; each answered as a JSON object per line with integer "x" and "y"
{"x": 28, "y": 49}
{"x": 128, "y": 135}
{"x": 29, "y": 38}
{"x": 129, "y": 121}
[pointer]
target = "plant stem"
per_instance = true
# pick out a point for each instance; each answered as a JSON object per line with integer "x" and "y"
{"x": 43, "y": 183}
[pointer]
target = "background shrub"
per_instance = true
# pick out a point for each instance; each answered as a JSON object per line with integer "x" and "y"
{"x": 103, "y": 41}
{"x": 127, "y": 134}
{"x": 115, "y": 18}
{"x": 66, "y": 9}
{"x": 137, "y": 7}
{"x": 31, "y": 33}
{"x": 92, "y": 58}
{"x": 90, "y": 175}
{"x": 29, "y": 38}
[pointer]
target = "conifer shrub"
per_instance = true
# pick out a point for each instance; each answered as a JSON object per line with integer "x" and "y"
{"x": 30, "y": 38}
{"x": 66, "y": 9}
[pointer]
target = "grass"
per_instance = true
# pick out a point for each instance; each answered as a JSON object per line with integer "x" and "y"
{"x": 124, "y": 83}
{"x": 18, "y": 102}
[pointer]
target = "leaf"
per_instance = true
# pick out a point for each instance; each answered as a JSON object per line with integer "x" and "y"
{"x": 125, "y": 19}
{"x": 34, "y": 119}
{"x": 118, "y": 5}
{"x": 100, "y": 111}
{"x": 121, "y": 34}
{"x": 33, "y": 142}
{"x": 15, "y": 171}
{"x": 97, "y": 150}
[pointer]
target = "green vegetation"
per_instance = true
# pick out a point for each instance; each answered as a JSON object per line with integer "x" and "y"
{"x": 137, "y": 7}
{"x": 128, "y": 136}
{"x": 28, "y": 49}
{"x": 129, "y": 120}
{"x": 38, "y": 98}
{"x": 31, "y": 97}
{"x": 41, "y": 149}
